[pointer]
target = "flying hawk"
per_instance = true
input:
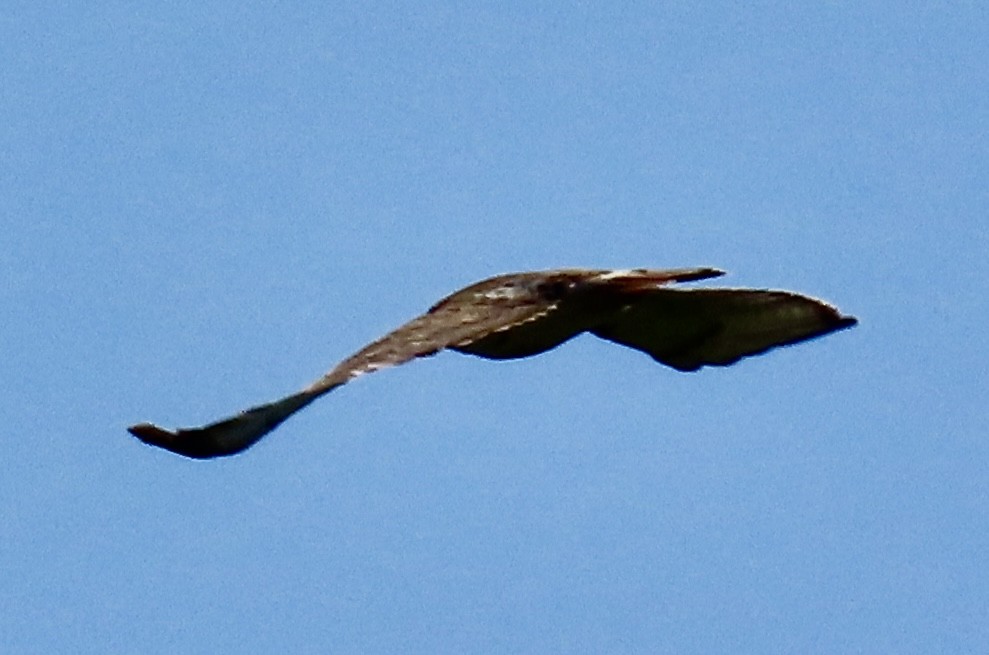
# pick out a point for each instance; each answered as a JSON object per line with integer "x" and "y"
{"x": 523, "y": 314}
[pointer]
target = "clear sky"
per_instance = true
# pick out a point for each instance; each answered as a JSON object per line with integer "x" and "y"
{"x": 206, "y": 205}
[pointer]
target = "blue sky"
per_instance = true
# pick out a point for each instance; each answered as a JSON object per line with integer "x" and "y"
{"x": 206, "y": 205}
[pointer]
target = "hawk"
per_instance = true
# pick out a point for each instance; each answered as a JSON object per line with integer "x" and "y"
{"x": 522, "y": 314}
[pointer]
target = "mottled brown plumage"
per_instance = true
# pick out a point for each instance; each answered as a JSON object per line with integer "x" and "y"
{"x": 523, "y": 314}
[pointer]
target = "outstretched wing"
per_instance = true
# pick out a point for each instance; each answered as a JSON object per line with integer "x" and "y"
{"x": 691, "y": 328}
{"x": 459, "y": 320}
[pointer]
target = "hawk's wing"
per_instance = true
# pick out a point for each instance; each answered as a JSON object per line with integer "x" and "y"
{"x": 691, "y": 328}
{"x": 457, "y": 321}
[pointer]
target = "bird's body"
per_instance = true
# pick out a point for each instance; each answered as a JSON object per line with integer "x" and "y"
{"x": 524, "y": 314}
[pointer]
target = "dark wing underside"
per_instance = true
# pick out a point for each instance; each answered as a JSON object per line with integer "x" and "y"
{"x": 691, "y": 328}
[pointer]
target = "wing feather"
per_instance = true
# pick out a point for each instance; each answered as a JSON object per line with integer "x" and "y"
{"x": 446, "y": 325}
{"x": 691, "y": 328}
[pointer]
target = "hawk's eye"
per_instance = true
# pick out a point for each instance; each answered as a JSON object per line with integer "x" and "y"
{"x": 553, "y": 290}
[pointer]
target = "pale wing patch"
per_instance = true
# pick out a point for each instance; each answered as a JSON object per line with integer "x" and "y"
{"x": 509, "y": 292}
{"x": 618, "y": 273}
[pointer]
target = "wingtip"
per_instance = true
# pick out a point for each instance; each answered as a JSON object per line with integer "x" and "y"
{"x": 705, "y": 273}
{"x": 143, "y": 430}
{"x": 845, "y": 322}
{"x": 151, "y": 434}
{"x": 188, "y": 443}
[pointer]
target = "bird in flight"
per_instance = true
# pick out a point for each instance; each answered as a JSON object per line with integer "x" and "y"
{"x": 522, "y": 314}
